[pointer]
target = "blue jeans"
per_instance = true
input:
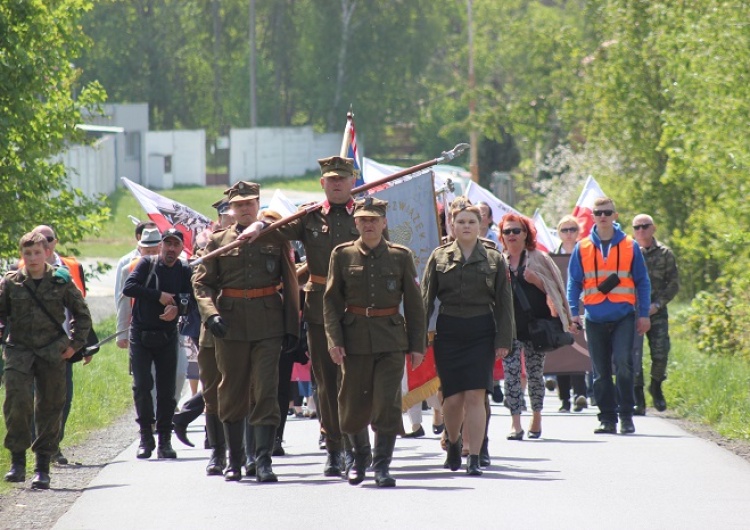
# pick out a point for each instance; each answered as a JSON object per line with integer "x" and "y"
{"x": 611, "y": 348}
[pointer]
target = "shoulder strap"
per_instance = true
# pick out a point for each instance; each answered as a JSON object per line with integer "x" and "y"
{"x": 44, "y": 309}
{"x": 152, "y": 271}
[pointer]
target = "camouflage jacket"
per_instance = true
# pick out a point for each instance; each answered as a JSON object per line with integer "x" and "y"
{"x": 662, "y": 271}
{"x": 29, "y": 327}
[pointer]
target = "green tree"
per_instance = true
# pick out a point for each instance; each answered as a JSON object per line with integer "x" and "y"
{"x": 39, "y": 42}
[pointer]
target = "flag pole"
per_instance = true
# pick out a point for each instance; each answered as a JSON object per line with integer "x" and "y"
{"x": 445, "y": 156}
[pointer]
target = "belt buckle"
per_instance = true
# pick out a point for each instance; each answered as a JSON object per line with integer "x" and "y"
{"x": 367, "y": 311}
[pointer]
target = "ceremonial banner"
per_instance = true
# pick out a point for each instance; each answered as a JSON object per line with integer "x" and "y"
{"x": 412, "y": 217}
{"x": 412, "y": 222}
{"x": 573, "y": 359}
{"x": 584, "y": 210}
{"x": 167, "y": 213}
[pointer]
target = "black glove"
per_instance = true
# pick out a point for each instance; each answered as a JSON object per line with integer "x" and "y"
{"x": 289, "y": 343}
{"x": 217, "y": 326}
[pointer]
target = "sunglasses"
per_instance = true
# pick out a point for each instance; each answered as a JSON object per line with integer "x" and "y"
{"x": 641, "y": 227}
{"x": 605, "y": 213}
{"x": 509, "y": 231}
{"x": 569, "y": 230}
{"x": 50, "y": 239}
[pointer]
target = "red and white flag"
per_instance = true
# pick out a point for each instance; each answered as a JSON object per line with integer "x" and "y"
{"x": 544, "y": 238}
{"x": 168, "y": 213}
{"x": 584, "y": 210}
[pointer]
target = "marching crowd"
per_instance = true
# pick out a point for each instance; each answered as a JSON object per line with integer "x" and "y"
{"x": 355, "y": 308}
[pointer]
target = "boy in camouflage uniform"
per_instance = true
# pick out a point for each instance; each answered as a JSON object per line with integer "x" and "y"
{"x": 35, "y": 355}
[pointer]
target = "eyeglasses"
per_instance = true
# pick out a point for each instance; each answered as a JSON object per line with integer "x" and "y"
{"x": 605, "y": 213}
{"x": 509, "y": 231}
{"x": 569, "y": 230}
{"x": 641, "y": 227}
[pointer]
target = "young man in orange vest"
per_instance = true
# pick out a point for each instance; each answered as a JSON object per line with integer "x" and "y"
{"x": 76, "y": 272}
{"x": 608, "y": 270}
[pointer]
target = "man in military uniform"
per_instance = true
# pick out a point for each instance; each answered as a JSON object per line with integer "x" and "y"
{"x": 239, "y": 301}
{"x": 368, "y": 336}
{"x": 321, "y": 231}
{"x": 33, "y": 301}
{"x": 665, "y": 282}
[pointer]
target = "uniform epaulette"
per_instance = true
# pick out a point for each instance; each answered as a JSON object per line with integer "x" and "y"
{"x": 488, "y": 243}
{"x": 396, "y": 245}
{"x": 445, "y": 244}
{"x": 342, "y": 245}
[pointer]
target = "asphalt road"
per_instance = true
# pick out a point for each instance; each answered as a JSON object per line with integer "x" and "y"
{"x": 661, "y": 477}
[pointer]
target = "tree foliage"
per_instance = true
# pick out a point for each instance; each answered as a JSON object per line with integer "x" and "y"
{"x": 39, "y": 42}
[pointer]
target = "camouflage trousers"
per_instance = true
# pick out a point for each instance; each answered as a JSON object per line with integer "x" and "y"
{"x": 659, "y": 344}
{"x": 47, "y": 380}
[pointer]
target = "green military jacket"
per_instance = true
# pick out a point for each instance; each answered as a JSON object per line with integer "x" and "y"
{"x": 31, "y": 331}
{"x": 380, "y": 277}
{"x": 262, "y": 263}
{"x": 474, "y": 287}
{"x": 662, "y": 271}
{"x": 320, "y": 232}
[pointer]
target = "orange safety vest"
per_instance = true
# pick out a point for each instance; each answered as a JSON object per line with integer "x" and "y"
{"x": 596, "y": 270}
{"x": 76, "y": 272}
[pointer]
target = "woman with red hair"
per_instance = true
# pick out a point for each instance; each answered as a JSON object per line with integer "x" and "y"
{"x": 535, "y": 275}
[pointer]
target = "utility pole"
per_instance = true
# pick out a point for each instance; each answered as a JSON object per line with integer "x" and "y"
{"x": 253, "y": 51}
{"x": 473, "y": 137}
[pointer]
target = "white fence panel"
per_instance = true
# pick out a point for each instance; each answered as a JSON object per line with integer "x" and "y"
{"x": 91, "y": 168}
{"x": 188, "y": 152}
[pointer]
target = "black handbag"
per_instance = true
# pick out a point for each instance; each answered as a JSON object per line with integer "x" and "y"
{"x": 90, "y": 340}
{"x": 546, "y": 334}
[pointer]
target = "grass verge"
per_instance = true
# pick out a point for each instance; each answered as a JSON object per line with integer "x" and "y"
{"x": 102, "y": 392}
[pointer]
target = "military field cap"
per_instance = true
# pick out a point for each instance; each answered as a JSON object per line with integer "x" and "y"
{"x": 222, "y": 206}
{"x": 370, "y": 207}
{"x": 173, "y": 232}
{"x": 243, "y": 191}
{"x": 336, "y": 166}
{"x": 150, "y": 237}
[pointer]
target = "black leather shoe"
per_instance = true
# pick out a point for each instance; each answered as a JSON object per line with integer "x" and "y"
{"x": 565, "y": 406}
{"x": 60, "y": 459}
{"x": 146, "y": 447}
{"x": 660, "y": 403}
{"x": 278, "y": 449}
{"x": 580, "y": 404}
{"x": 472, "y": 466}
{"x": 627, "y": 426}
{"x": 517, "y": 436}
{"x": 40, "y": 481}
{"x": 17, "y": 471}
{"x": 453, "y": 460}
{"x": 415, "y": 434}
{"x": 438, "y": 429}
{"x": 180, "y": 431}
{"x": 535, "y": 435}
{"x": 165, "y": 449}
{"x": 334, "y": 464}
{"x": 606, "y": 427}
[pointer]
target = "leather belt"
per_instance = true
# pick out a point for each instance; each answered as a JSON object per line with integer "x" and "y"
{"x": 321, "y": 280}
{"x": 372, "y": 311}
{"x": 249, "y": 293}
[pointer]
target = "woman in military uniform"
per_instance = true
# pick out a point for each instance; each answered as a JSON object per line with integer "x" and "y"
{"x": 474, "y": 326}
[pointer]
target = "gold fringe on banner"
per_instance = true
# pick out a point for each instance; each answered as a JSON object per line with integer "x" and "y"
{"x": 419, "y": 394}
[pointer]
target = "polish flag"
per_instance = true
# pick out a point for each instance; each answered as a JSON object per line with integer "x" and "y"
{"x": 349, "y": 147}
{"x": 584, "y": 210}
{"x": 168, "y": 213}
{"x": 544, "y": 238}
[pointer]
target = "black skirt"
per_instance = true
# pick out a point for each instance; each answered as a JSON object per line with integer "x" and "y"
{"x": 465, "y": 353}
